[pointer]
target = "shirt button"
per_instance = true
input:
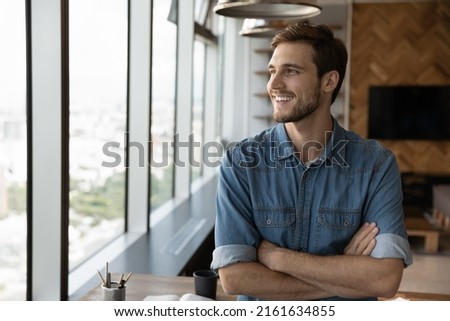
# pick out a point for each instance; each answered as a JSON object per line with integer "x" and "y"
{"x": 269, "y": 222}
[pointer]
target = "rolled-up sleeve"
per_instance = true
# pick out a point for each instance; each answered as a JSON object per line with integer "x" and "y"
{"x": 236, "y": 237}
{"x": 386, "y": 209}
{"x": 230, "y": 254}
{"x": 392, "y": 246}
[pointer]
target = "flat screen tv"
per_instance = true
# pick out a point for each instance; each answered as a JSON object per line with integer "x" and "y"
{"x": 409, "y": 112}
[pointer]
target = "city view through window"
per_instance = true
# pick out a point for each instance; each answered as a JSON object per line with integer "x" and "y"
{"x": 13, "y": 151}
{"x": 199, "y": 66}
{"x": 98, "y": 94}
{"x": 98, "y": 57}
{"x": 164, "y": 64}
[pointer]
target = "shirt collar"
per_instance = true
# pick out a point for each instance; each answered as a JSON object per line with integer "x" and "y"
{"x": 334, "y": 151}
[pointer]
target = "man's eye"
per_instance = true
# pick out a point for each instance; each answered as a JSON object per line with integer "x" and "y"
{"x": 291, "y": 71}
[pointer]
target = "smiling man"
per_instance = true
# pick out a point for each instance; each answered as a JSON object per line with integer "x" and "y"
{"x": 307, "y": 210}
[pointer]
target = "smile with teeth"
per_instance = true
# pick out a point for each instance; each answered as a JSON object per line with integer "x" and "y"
{"x": 283, "y": 98}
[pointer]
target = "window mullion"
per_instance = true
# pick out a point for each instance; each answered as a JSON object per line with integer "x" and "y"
{"x": 139, "y": 115}
{"x": 46, "y": 149}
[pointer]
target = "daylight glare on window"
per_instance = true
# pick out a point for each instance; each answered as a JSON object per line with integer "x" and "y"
{"x": 98, "y": 95}
{"x": 198, "y": 106}
{"x": 13, "y": 151}
{"x": 164, "y": 35}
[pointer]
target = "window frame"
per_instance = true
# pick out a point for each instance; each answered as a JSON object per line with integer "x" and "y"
{"x": 48, "y": 276}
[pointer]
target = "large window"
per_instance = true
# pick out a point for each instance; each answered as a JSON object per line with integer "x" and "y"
{"x": 100, "y": 125}
{"x": 13, "y": 151}
{"x": 98, "y": 95}
{"x": 198, "y": 108}
{"x": 164, "y": 64}
{"x": 205, "y": 90}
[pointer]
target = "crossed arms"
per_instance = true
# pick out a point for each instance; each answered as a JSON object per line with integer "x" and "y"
{"x": 283, "y": 274}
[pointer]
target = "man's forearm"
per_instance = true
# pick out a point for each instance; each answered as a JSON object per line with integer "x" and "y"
{"x": 256, "y": 280}
{"x": 352, "y": 275}
{"x": 343, "y": 275}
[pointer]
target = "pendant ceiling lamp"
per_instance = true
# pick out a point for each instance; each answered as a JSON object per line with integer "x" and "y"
{"x": 263, "y": 28}
{"x": 268, "y": 9}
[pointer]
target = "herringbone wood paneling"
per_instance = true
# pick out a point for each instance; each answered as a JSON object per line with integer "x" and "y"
{"x": 401, "y": 44}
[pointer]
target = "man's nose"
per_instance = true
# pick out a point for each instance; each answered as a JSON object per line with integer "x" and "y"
{"x": 275, "y": 81}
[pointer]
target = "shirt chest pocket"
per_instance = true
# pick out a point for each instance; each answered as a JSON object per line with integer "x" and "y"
{"x": 335, "y": 228}
{"x": 276, "y": 224}
{"x": 339, "y": 219}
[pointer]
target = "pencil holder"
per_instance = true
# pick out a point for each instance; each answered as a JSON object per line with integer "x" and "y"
{"x": 113, "y": 293}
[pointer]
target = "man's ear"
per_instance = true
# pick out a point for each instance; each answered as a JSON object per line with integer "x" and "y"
{"x": 330, "y": 81}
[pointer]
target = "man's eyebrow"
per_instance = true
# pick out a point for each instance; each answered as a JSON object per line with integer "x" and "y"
{"x": 286, "y": 65}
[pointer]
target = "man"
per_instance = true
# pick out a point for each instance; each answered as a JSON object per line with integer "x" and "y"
{"x": 307, "y": 210}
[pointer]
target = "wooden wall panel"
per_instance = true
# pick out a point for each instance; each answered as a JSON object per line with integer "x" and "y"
{"x": 401, "y": 44}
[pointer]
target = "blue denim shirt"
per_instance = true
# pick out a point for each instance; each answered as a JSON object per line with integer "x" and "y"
{"x": 266, "y": 192}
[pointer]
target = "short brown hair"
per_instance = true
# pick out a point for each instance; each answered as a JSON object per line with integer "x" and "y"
{"x": 329, "y": 52}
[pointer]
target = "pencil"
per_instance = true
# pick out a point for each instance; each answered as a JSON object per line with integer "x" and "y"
{"x": 101, "y": 277}
{"x": 128, "y": 277}
{"x": 108, "y": 276}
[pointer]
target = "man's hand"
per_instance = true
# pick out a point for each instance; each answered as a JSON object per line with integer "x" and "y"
{"x": 363, "y": 242}
{"x": 353, "y": 275}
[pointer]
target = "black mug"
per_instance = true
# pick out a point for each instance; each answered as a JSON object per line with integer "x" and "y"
{"x": 205, "y": 282}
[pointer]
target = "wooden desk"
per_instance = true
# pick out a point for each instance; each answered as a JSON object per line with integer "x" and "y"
{"x": 141, "y": 285}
